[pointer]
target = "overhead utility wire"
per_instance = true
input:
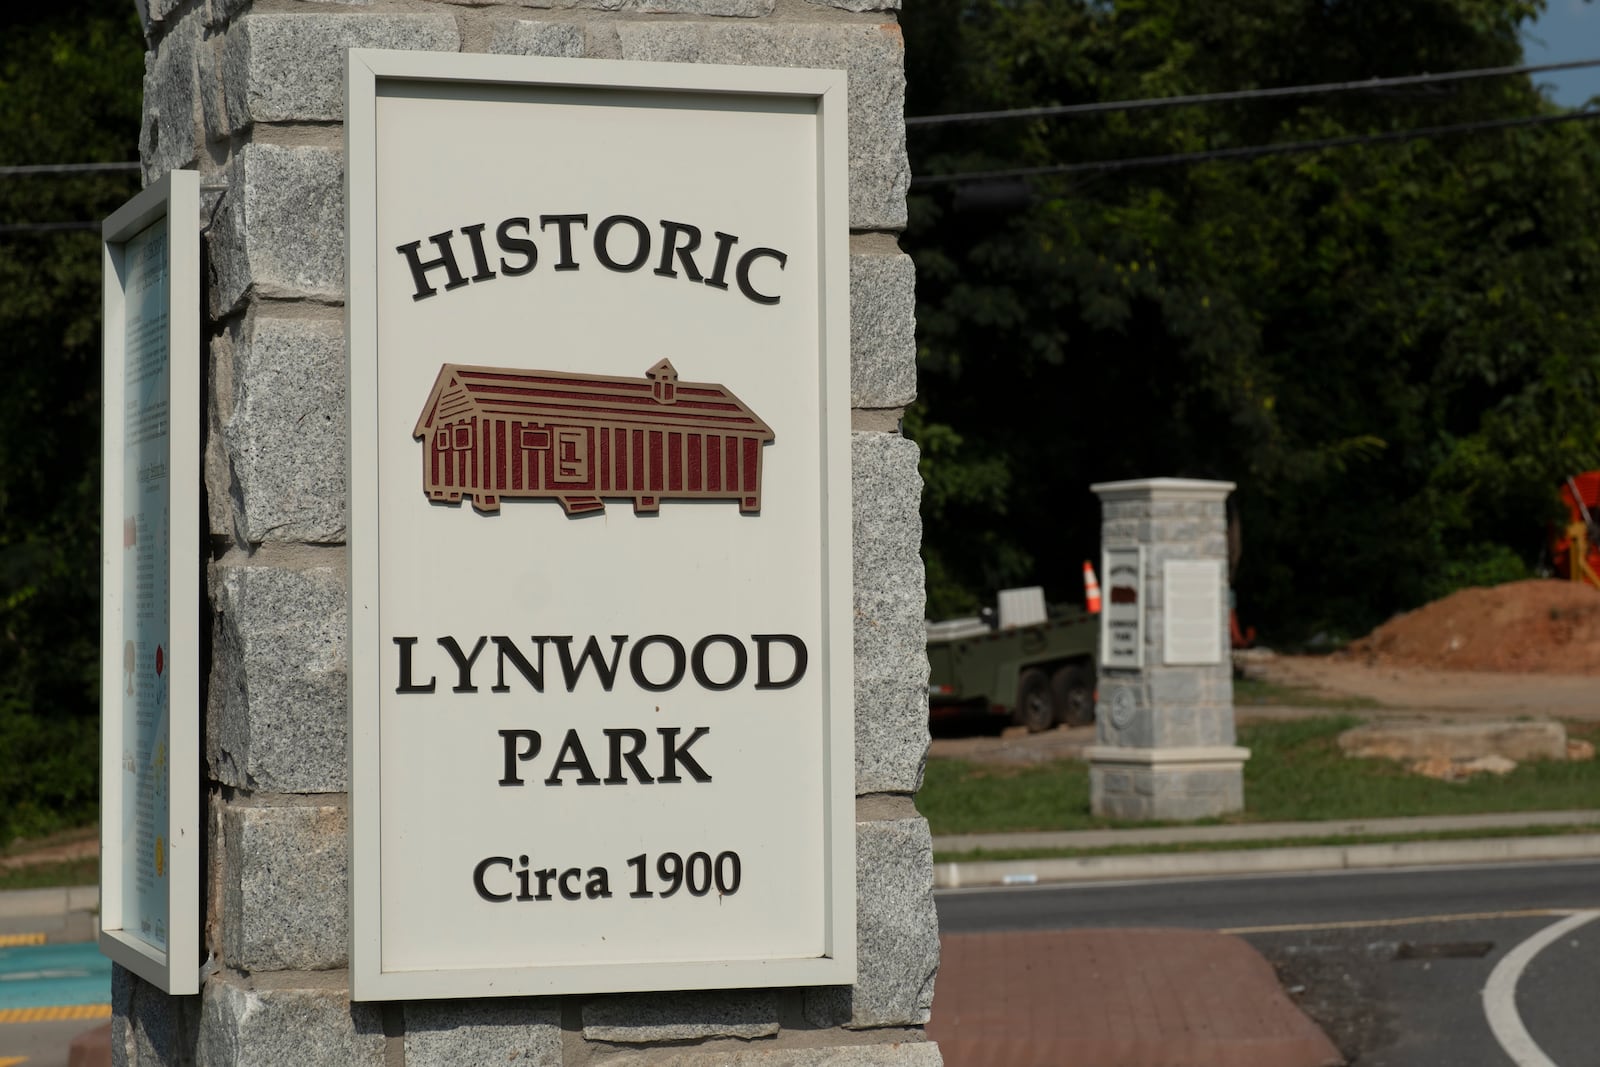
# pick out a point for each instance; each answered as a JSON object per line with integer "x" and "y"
{"x": 58, "y": 168}
{"x": 45, "y": 227}
{"x": 65, "y": 168}
{"x": 1251, "y": 151}
{"x": 1243, "y": 94}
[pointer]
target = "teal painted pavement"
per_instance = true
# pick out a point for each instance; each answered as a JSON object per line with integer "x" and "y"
{"x": 54, "y": 976}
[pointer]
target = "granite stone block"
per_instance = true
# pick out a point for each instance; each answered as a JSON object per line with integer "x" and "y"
{"x": 290, "y": 67}
{"x": 739, "y": 8}
{"x": 1166, "y": 793}
{"x": 1174, "y": 685}
{"x": 122, "y": 981}
{"x": 309, "y": 1024}
{"x": 1176, "y": 726}
{"x": 891, "y": 653}
{"x": 883, "y": 345}
{"x": 734, "y": 8}
{"x": 213, "y": 99}
{"x": 901, "y": 1053}
{"x": 525, "y": 37}
{"x": 684, "y": 1016}
{"x": 859, "y": 5}
{"x": 280, "y": 228}
{"x": 872, "y": 54}
{"x": 285, "y": 432}
{"x": 897, "y": 932}
{"x": 1125, "y": 509}
{"x": 1180, "y": 531}
{"x": 448, "y": 1033}
{"x": 218, "y": 474}
{"x": 285, "y": 887}
{"x": 220, "y": 12}
{"x": 161, "y": 10}
{"x": 159, "y": 1031}
{"x": 169, "y": 136}
{"x": 277, "y": 694}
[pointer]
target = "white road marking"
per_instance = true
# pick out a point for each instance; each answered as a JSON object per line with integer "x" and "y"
{"x": 1409, "y": 920}
{"x": 1500, "y": 992}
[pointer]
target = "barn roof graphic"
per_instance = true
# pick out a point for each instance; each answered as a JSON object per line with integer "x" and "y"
{"x": 496, "y": 432}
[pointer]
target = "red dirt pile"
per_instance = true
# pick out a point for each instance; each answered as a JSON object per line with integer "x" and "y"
{"x": 1540, "y": 626}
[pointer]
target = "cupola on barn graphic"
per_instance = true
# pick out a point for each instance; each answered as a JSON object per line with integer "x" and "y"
{"x": 492, "y": 433}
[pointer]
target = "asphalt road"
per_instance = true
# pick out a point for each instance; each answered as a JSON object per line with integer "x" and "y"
{"x": 1392, "y": 964}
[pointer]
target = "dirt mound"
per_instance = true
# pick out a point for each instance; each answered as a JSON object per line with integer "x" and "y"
{"x": 1543, "y": 626}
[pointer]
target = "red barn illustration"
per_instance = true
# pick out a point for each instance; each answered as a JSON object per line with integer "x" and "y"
{"x": 494, "y": 433}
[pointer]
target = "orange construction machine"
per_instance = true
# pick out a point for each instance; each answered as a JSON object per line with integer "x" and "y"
{"x": 1575, "y": 550}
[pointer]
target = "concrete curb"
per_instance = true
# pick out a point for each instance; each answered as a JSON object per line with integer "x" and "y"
{"x": 1264, "y": 861}
{"x": 57, "y": 915}
{"x": 44, "y": 903}
{"x": 1264, "y": 831}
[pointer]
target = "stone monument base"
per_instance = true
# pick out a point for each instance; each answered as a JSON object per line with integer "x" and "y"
{"x": 1166, "y": 783}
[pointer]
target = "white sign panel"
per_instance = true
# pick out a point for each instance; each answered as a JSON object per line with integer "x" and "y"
{"x": 1192, "y": 591}
{"x": 150, "y": 565}
{"x": 600, "y": 531}
{"x": 1122, "y": 618}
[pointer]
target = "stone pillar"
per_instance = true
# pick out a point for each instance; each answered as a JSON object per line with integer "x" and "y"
{"x": 1164, "y": 730}
{"x": 251, "y": 95}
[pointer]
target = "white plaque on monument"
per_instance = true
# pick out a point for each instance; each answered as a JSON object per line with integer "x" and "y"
{"x": 150, "y": 568}
{"x": 1192, "y": 612}
{"x": 600, "y": 538}
{"x": 1122, "y": 617}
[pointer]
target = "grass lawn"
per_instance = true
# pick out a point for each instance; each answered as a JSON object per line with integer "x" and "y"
{"x": 1295, "y": 772}
{"x": 47, "y": 875}
{"x": 55, "y": 860}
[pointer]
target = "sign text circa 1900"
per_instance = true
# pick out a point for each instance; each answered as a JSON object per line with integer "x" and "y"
{"x": 601, "y": 653}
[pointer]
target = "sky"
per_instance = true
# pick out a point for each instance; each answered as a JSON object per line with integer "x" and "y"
{"x": 1569, "y": 29}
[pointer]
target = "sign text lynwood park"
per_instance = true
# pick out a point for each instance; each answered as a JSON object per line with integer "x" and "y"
{"x": 601, "y": 670}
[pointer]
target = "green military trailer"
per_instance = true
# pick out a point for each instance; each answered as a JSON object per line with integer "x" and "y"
{"x": 1025, "y": 663}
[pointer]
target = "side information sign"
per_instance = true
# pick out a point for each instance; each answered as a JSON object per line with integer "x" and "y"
{"x": 1194, "y": 619}
{"x": 1122, "y": 620}
{"x": 150, "y": 648}
{"x": 601, "y": 667}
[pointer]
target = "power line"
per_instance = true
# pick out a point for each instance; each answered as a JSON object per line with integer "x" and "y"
{"x": 1251, "y": 151}
{"x": 65, "y": 168}
{"x": 8, "y": 229}
{"x": 1243, "y": 94}
{"x": 46, "y": 227}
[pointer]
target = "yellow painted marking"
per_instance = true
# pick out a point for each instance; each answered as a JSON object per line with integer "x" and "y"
{"x": 12, "y": 1061}
{"x": 1415, "y": 920}
{"x": 41, "y": 1015}
{"x": 12, "y": 940}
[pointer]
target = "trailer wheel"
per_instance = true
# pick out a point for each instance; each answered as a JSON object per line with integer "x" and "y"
{"x": 1073, "y": 686}
{"x": 1036, "y": 704}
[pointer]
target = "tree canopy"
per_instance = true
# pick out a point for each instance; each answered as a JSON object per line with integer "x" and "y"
{"x": 70, "y": 83}
{"x": 1393, "y": 348}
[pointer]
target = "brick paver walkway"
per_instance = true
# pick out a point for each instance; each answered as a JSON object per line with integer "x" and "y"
{"x": 1117, "y": 998}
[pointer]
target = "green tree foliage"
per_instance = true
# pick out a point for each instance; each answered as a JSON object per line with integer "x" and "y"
{"x": 1393, "y": 349}
{"x": 70, "y": 79}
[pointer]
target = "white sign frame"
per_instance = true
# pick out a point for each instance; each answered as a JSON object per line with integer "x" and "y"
{"x": 820, "y": 93}
{"x": 1109, "y": 558}
{"x": 1180, "y": 646}
{"x": 172, "y": 203}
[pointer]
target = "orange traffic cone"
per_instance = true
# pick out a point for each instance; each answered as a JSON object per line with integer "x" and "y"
{"x": 1091, "y": 589}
